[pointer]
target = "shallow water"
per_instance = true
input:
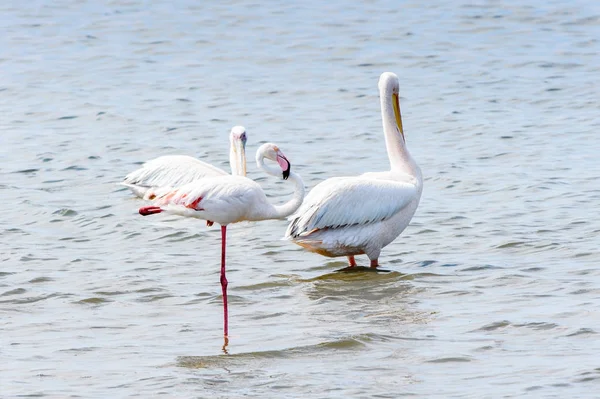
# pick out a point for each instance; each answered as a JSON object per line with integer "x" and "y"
{"x": 492, "y": 291}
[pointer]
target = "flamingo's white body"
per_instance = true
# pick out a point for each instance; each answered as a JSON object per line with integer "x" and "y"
{"x": 230, "y": 199}
{"x": 177, "y": 170}
{"x": 348, "y": 216}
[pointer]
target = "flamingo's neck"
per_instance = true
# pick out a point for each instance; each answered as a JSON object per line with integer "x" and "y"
{"x": 284, "y": 210}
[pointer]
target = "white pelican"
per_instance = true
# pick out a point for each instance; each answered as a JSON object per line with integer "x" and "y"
{"x": 230, "y": 199}
{"x": 177, "y": 170}
{"x": 348, "y": 216}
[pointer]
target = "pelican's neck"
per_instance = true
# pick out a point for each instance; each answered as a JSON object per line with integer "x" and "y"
{"x": 400, "y": 158}
{"x": 284, "y": 210}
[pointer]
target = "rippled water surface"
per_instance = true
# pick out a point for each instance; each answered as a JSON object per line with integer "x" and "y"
{"x": 492, "y": 291}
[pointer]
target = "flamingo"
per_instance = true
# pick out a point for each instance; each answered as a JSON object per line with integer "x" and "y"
{"x": 177, "y": 170}
{"x": 348, "y": 216}
{"x": 230, "y": 199}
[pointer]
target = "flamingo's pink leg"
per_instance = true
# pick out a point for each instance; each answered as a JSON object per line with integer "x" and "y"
{"x": 224, "y": 280}
{"x": 149, "y": 210}
{"x": 351, "y": 261}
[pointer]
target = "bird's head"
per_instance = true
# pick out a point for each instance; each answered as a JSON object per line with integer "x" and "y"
{"x": 272, "y": 152}
{"x": 389, "y": 90}
{"x": 238, "y": 133}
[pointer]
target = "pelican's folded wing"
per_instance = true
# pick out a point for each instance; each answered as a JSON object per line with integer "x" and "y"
{"x": 350, "y": 201}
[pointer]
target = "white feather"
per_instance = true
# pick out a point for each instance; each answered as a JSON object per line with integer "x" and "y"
{"x": 177, "y": 170}
{"x": 170, "y": 170}
{"x": 347, "y": 201}
{"x": 226, "y": 199}
{"x": 348, "y": 216}
{"x": 229, "y": 199}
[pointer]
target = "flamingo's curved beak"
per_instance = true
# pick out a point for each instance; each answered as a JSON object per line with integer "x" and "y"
{"x": 285, "y": 164}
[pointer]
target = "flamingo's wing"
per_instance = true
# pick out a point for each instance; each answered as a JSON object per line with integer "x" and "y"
{"x": 349, "y": 201}
{"x": 171, "y": 171}
{"x": 226, "y": 199}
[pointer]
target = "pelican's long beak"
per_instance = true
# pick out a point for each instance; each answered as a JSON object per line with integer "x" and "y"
{"x": 396, "y": 105}
{"x": 239, "y": 149}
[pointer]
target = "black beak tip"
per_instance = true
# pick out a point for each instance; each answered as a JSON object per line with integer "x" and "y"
{"x": 286, "y": 174}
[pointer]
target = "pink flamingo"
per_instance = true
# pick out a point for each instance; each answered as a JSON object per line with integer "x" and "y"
{"x": 230, "y": 199}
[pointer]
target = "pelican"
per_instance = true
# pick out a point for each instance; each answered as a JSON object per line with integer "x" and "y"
{"x": 177, "y": 170}
{"x": 230, "y": 199}
{"x": 349, "y": 216}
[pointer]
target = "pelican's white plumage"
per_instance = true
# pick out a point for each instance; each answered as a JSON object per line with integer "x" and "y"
{"x": 357, "y": 194}
{"x": 348, "y": 216}
{"x": 177, "y": 170}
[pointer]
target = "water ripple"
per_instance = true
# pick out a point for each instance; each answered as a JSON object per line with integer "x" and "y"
{"x": 500, "y": 262}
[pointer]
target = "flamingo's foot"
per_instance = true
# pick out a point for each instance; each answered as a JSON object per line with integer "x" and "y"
{"x": 209, "y": 223}
{"x": 225, "y": 344}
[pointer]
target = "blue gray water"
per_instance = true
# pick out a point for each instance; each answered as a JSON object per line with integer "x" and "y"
{"x": 493, "y": 290}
